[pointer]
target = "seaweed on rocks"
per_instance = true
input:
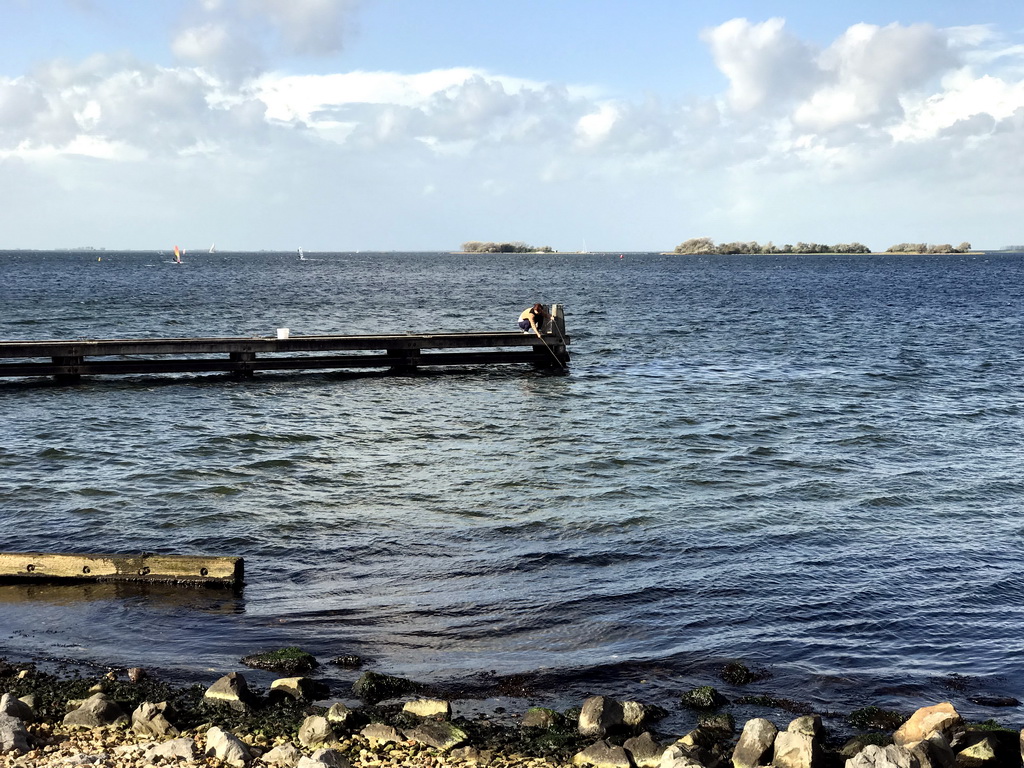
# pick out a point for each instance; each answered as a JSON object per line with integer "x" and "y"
{"x": 738, "y": 673}
{"x": 876, "y": 719}
{"x": 703, "y": 698}
{"x": 373, "y": 687}
{"x": 775, "y": 702}
{"x": 285, "y": 661}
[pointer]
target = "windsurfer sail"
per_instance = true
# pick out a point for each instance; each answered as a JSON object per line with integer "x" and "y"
{"x": 177, "y": 255}
{"x": 302, "y": 256}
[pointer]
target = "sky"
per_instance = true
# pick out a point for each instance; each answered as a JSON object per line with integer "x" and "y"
{"x": 603, "y": 125}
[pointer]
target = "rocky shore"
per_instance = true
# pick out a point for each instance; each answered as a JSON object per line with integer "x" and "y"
{"x": 128, "y": 718}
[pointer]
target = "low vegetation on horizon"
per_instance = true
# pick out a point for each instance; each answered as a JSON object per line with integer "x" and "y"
{"x": 705, "y": 246}
{"x": 476, "y": 246}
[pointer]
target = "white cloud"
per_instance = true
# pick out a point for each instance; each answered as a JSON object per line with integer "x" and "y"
{"x": 800, "y": 131}
{"x": 764, "y": 63}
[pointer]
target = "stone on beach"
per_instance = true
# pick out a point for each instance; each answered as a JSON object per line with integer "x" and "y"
{"x": 644, "y": 750}
{"x": 227, "y": 747}
{"x": 599, "y": 715}
{"x": 602, "y": 754}
{"x": 438, "y": 734}
{"x": 891, "y": 756}
{"x": 285, "y": 755}
{"x": 298, "y": 689}
{"x": 378, "y": 733}
{"x": 232, "y": 690}
{"x": 755, "y": 745}
{"x": 799, "y": 746}
{"x": 540, "y": 717}
{"x": 324, "y": 758}
{"x": 373, "y": 687}
{"x": 316, "y": 730}
{"x": 174, "y": 749}
{"x": 340, "y": 716}
{"x": 13, "y": 734}
{"x": 15, "y": 707}
{"x": 150, "y": 719}
{"x": 96, "y": 711}
{"x": 942, "y": 718}
{"x": 428, "y": 708}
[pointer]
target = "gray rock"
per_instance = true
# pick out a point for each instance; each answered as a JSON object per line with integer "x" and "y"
{"x": 298, "y": 689}
{"x": 340, "y": 716}
{"x": 438, "y": 734}
{"x": 316, "y": 731}
{"x": 150, "y": 719}
{"x": 599, "y": 715}
{"x": 373, "y": 687}
{"x": 644, "y": 750}
{"x": 603, "y": 755}
{"x": 678, "y": 756}
{"x": 981, "y": 754}
{"x": 795, "y": 750}
{"x": 428, "y": 708}
{"x": 13, "y": 734}
{"x": 378, "y": 733}
{"x": 285, "y": 756}
{"x": 540, "y": 717}
{"x": 232, "y": 690}
{"x": 96, "y": 711}
{"x": 227, "y": 747}
{"x": 636, "y": 715}
{"x": 15, "y": 707}
{"x": 173, "y": 749}
{"x": 704, "y": 698}
{"x": 935, "y": 752}
{"x": 755, "y": 745}
{"x": 324, "y": 758}
{"x": 892, "y": 756}
{"x": 942, "y": 718}
{"x": 809, "y": 725}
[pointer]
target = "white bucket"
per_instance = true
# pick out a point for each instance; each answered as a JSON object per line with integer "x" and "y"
{"x": 282, "y": 333}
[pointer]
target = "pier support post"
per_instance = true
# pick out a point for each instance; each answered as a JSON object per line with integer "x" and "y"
{"x": 243, "y": 364}
{"x": 70, "y": 373}
{"x": 407, "y": 362}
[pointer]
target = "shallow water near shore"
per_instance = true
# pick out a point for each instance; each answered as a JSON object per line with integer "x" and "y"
{"x": 810, "y": 463}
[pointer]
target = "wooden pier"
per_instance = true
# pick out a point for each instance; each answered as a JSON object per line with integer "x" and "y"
{"x": 193, "y": 570}
{"x": 67, "y": 361}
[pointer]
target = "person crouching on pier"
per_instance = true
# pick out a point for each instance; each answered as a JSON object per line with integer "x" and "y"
{"x": 533, "y": 318}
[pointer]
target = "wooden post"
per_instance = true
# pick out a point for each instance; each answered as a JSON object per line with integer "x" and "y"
{"x": 408, "y": 360}
{"x": 243, "y": 361}
{"x": 70, "y": 373}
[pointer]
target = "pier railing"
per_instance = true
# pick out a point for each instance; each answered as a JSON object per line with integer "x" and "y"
{"x": 69, "y": 360}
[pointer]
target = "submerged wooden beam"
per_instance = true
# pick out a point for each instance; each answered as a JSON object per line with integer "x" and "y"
{"x": 195, "y": 570}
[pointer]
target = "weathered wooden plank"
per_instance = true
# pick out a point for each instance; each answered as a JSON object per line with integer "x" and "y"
{"x": 149, "y": 567}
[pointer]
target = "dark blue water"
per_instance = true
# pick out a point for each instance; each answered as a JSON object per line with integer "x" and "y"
{"x": 812, "y": 464}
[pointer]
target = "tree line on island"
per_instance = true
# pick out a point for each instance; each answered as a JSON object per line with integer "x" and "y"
{"x": 701, "y": 246}
{"x": 706, "y": 246}
{"x": 476, "y": 246}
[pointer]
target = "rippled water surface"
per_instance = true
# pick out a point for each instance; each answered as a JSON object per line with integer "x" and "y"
{"x": 812, "y": 464}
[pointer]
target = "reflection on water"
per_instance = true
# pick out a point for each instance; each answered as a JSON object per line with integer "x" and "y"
{"x": 158, "y": 596}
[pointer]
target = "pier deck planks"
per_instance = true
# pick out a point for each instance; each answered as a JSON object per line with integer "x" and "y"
{"x": 68, "y": 360}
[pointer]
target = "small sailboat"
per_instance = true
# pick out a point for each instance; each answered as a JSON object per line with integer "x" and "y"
{"x": 177, "y": 255}
{"x": 213, "y": 248}
{"x": 302, "y": 256}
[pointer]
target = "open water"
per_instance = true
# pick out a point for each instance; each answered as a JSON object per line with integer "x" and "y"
{"x": 810, "y": 464}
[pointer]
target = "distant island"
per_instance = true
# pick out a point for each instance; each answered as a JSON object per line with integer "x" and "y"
{"x": 698, "y": 246}
{"x": 475, "y": 246}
